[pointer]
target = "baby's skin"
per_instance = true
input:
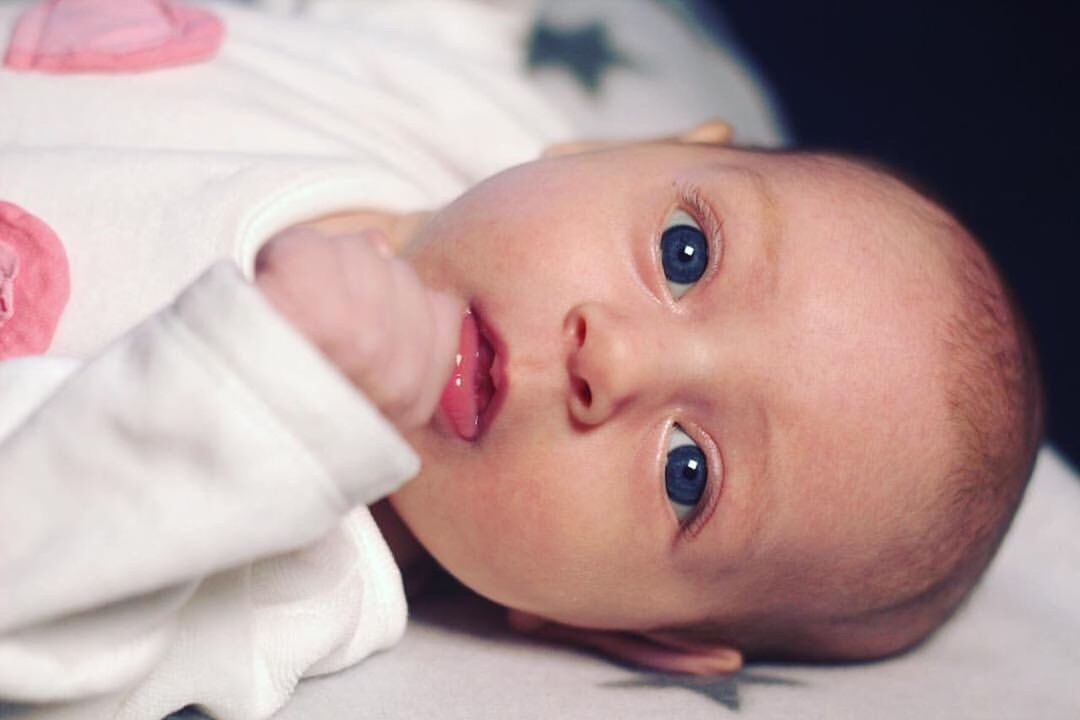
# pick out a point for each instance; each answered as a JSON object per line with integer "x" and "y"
{"x": 703, "y": 355}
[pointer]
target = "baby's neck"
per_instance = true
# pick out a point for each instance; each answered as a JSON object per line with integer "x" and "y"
{"x": 412, "y": 559}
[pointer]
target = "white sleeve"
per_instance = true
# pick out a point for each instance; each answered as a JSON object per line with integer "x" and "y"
{"x": 209, "y": 436}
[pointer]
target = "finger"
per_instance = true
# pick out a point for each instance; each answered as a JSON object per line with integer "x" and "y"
{"x": 379, "y": 240}
{"x": 410, "y": 338}
{"x": 444, "y": 331}
{"x": 365, "y": 312}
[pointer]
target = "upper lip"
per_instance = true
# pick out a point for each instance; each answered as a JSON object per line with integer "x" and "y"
{"x": 498, "y": 366}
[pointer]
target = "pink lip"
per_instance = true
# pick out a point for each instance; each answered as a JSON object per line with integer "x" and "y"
{"x": 472, "y": 395}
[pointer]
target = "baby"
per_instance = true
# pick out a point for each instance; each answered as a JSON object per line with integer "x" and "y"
{"x": 708, "y": 402}
{"x": 682, "y": 402}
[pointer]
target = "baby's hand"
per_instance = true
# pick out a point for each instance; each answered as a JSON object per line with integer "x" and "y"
{"x": 368, "y": 312}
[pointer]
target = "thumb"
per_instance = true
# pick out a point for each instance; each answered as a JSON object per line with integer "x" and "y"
{"x": 446, "y": 313}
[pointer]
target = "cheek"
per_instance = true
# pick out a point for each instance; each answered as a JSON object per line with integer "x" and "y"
{"x": 530, "y": 235}
{"x": 535, "y": 529}
{"x": 533, "y": 521}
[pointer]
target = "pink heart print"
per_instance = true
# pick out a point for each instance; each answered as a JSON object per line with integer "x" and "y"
{"x": 9, "y": 268}
{"x": 111, "y": 36}
{"x": 34, "y": 282}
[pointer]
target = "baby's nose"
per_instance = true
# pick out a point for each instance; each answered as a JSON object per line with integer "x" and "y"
{"x": 604, "y": 360}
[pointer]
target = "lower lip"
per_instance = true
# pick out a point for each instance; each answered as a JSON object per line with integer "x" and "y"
{"x": 470, "y": 388}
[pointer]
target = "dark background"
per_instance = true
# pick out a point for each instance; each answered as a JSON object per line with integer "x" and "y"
{"x": 980, "y": 104}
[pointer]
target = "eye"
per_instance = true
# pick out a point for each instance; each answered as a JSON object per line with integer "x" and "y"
{"x": 685, "y": 473}
{"x": 684, "y": 252}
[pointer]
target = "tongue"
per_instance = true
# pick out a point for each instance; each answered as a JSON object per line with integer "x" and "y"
{"x": 469, "y": 389}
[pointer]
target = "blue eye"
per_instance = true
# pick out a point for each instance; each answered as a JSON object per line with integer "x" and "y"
{"x": 684, "y": 252}
{"x": 685, "y": 474}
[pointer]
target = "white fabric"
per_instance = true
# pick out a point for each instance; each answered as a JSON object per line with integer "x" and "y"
{"x": 175, "y": 509}
{"x": 172, "y": 516}
{"x": 149, "y": 177}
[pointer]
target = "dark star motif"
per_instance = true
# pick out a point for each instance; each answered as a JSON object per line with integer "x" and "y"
{"x": 723, "y": 689}
{"x": 586, "y": 52}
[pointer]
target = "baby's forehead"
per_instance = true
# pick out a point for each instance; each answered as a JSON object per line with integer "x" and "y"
{"x": 846, "y": 194}
{"x": 863, "y": 179}
{"x": 818, "y": 168}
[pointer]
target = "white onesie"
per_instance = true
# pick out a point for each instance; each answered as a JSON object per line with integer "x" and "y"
{"x": 182, "y": 513}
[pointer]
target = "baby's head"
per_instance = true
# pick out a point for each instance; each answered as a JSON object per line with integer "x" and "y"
{"x": 797, "y": 425}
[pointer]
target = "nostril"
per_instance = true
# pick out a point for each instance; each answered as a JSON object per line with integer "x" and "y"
{"x": 579, "y": 331}
{"x": 583, "y": 391}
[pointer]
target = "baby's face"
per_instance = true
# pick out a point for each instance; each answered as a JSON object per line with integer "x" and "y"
{"x": 794, "y": 369}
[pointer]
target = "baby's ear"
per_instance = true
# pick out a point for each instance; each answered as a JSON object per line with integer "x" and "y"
{"x": 659, "y": 651}
{"x": 710, "y": 132}
{"x": 580, "y": 146}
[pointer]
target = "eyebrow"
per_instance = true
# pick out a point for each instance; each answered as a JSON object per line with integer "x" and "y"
{"x": 767, "y": 224}
{"x": 765, "y": 228}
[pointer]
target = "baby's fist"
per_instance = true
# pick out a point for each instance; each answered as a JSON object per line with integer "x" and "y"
{"x": 368, "y": 312}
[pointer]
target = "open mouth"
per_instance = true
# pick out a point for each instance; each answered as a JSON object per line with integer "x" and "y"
{"x": 466, "y": 401}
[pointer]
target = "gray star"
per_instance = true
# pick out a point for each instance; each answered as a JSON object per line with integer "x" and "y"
{"x": 586, "y": 52}
{"x": 723, "y": 689}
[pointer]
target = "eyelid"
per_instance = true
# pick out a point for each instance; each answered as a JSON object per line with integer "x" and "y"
{"x": 676, "y": 428}
{"x": 714, "y": 480}
{"x": 692, "y": 201}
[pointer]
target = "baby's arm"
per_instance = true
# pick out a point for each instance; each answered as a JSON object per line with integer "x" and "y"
{"x": 208, "y": 437}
